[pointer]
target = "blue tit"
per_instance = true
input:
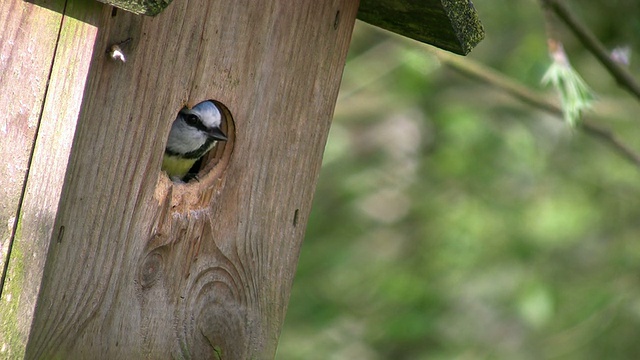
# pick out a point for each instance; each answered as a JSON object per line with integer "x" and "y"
{"x": 194, "y": 132}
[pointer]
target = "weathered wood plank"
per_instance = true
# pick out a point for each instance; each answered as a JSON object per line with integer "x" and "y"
{"x": 65, "y": 77}
{"x": 452, "y": 25}
{"x": 28, "y": 37}
{"x": 139, "y": 267}
{"x": 25, "y": 62}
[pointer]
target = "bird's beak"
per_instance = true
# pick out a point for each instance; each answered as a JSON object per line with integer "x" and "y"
{"x": 217, "y": 134}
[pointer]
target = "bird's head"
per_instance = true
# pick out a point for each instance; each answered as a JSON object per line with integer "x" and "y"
{"x": 194, "y": 127}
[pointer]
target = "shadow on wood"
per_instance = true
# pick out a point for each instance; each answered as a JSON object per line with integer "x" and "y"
{"x": 133, "y": 270}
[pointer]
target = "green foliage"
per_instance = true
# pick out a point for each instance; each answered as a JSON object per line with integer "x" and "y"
{"x": 451, "y": 221}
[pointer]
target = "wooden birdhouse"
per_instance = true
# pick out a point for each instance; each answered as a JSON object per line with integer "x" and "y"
{"x": 102, "y": 255}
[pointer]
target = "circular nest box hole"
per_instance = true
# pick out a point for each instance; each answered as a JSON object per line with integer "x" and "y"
{"x": 198, "y": 149}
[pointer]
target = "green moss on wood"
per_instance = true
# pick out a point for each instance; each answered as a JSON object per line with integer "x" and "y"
{"x": 13, "y": 341}
{"x": 452, "y": 25}
{"x": 140, "y": 7}
{"x": 466, "y": 23}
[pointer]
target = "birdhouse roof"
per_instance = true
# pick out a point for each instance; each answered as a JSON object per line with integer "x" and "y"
{"x": 452, "y": 25}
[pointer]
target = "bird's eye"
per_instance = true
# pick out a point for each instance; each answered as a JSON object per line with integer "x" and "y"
{"x": 192, "y": 120}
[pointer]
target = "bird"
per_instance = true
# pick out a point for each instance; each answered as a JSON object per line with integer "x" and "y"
{"x": 194, "y": 132}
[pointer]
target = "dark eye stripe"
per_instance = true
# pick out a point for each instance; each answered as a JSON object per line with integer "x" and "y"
{"x": 195, "y": 154}
{"x": 194, "y": 120}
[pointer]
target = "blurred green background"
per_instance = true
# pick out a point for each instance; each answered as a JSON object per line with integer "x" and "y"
{"x": 454, "y": 222}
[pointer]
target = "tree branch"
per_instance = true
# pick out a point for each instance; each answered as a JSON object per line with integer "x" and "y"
{"x": 491, "y": 77}
{"x": 622, "y": 76}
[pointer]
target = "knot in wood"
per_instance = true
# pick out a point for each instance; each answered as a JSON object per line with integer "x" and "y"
{"x": 151, "y": 270}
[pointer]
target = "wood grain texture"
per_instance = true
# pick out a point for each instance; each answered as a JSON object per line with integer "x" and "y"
{"x": 25, "y": 58}
{"x": 452, "y": 25}
{"x": 139, "y": 267}
{"x": 49, "y": 161}
{"x": 28, "y": 39}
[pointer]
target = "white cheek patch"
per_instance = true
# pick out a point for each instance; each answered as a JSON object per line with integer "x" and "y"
{"x": 184, "y": 138}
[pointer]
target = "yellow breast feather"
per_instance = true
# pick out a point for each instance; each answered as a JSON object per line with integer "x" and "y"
{"x": 175, "y": 166}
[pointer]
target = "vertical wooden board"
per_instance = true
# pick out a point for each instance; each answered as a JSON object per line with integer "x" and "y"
{"x": 150, "y": 269}
{"x": 28, "y": 37}
{"x": 48, "y": 166}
